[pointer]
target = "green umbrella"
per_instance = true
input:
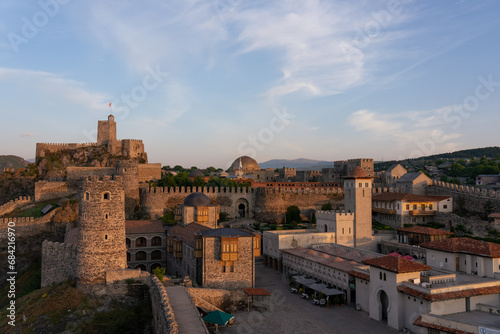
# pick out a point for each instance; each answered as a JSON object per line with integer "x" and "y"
{"x": 218, "y": 318}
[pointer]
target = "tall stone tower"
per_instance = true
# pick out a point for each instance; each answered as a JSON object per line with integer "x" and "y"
{"x": 358, "y": 200}
{"x": 106, "y": 134}
{"x": 101, "y": 240}
{"x": 129, "y": 171}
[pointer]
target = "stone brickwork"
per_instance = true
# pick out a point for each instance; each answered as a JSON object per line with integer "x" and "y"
{"x": 163, "y": 316}
{"x": 244, "y": 268}
{"x": 43, "y": 148}
{"x": 101, "y": 239}
{"x": 214, "y": 299}
{"x": 129, "y": 172}
{"x": 75, "y": 174}
{"x": 14, "y": 204}
{"x": 475, "y": 199}
{"x": 149, "y": 172}
{"x": 58, "y": 262}
{"x": 27, "y": 226}
{"x": 45, "y": 190}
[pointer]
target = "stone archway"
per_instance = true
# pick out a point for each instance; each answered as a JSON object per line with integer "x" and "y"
{"x": 242, "y": 208}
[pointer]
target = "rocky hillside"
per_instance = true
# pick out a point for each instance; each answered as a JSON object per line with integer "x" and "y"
{"x": 12, "y": 161}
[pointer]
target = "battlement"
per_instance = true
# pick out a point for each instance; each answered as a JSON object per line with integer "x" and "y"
{"x": 163, "y": 314}
{"x": 131, "y": 140}
{"x": 476, "y": 191}
{"x": 18, "y": 221}
{"x": 49, "y": 246}
{"x": 205, "y": 190}
{"x": 333, "y": 214}
{"x": 41, "y": 148}
{"x": 10, "y": 206}
{"x": 100, "y": 178}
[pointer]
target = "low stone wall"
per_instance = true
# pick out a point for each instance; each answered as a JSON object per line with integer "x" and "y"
{"x": 163, "y": 316}
{"x": 217, "y": 298}
{"x": 14, "y": 204}
{"x": 58, "y": 262}
{"x": 26, "y": 226}
{"x": 45, "y": 190}
{"x": 388, "y": 247}
{"x": 113, "y": 276}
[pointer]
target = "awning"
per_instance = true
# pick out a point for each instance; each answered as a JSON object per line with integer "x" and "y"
{"x": 218, "y": 317}
{"x": 304, "y": 281}
{"x": 320, "y": 287}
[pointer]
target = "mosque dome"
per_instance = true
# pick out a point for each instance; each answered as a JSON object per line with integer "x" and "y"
{"x": 247, "y": 164}
{"x": 197, "y": 199}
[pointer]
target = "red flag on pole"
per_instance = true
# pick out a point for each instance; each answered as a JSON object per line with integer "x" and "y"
{"x": 110, "y": 104}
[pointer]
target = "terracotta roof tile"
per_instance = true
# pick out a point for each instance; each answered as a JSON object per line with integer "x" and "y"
{"x": 256, "y": 292}
{"x": 450, "y": 295}
{"x": 359, "y": 173}
{"x": 425, "y": 230}
{"x": 357, "y": 274}
{"x": 419, "y": 322}
{"x": 186, "y": 233}
{"x": 396, "y": 264}
{"x": 465, "y": 245}
{"x": 143, "y": 226}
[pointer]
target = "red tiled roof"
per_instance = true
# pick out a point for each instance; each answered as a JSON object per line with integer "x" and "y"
{"x": 256, "y": 292}
{"x": 143, "y": 226}
{"x": 360, "y": 275}
{"x": 389, "y": 197}
{"x": 396, "y": 264}
{"x": 186, "y": 233}
{"x": 359, "y": 173}
{"x": 424, "y": 230}
{"x": 450, "y": 295}
{"x": 465, "y": 245}
{"x": 419, "y": 322}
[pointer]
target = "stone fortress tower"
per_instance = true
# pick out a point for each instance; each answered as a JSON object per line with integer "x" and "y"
{"x": 128, "y": 170}
{"x": 101, "y": 239}
{"x": 358, "y": 199}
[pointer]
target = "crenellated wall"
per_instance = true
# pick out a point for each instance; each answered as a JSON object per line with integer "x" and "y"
{"x": 58, "y": 262}
{"x": 14, "y": 204}
{"x": 476, "y": 199}
{"x": 261, "y": 203}
{"x": 26, "y": 226}
{"x": 163, "y": 316}
{"x": 43, "y": 148}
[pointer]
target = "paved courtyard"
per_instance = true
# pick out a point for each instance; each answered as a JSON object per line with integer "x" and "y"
{"x": 293, "y": 315}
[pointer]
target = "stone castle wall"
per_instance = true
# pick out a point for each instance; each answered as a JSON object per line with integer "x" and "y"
{"x": 43, "y": 148}
{"x": 14, "y": 204}
{"x": 78, "y": 173}
{"x": 58, "y": 262}
{"x": 476, "y": 199}
{"x": 163, "y": 315}
{"x": 45, "y": 190}
{"x": 148, "y": 172}
{"x": 27, "y": 226}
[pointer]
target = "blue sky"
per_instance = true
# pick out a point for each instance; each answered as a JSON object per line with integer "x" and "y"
{"x": 203, "y": 82}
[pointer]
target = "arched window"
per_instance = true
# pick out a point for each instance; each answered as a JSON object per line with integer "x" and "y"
{"x": 128, "y": 257}
{"x": 156, "y": 255}
{"x": 156, "y": 241}
{"x": 140, "y": 256}
{"x": 127, "y": 241}
{"x": 141, "y": 242}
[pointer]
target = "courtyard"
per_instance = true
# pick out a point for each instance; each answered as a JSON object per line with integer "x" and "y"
{"x": 289, "y": 313}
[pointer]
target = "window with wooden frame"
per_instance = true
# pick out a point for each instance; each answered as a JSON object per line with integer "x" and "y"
{"x": 178, "y": 249}
{"x": 198, "y": 246}
{"x": 178, "y": 213}
{"x": 170, "y": 243}
{"x": 202, "y": 214}
{"x": 229, "y": 249}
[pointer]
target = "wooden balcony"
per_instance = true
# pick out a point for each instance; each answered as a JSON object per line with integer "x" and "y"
{"x": 386, "y": 211}
{"x": 422, "y": 212}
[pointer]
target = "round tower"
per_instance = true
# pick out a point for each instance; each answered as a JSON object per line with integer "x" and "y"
{"x": 101, "y": 241}
{"x": 128, "y": 170}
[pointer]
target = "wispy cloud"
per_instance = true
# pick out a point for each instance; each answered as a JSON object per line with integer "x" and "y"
{"x": 27, "y": 134}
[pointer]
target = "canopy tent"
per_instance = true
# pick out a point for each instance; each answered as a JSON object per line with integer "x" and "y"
{"x": 320, "y": 287}
{"x": 218, "y": 318}
{"x": 256, "y": 292}
{"x": 304, "y": 281}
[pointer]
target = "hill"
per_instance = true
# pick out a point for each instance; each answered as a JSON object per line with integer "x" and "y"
{"x": 12, "y": 161}
{"x": 295, "y": 163}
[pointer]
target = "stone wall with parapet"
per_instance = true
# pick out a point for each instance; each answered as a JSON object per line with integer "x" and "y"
{"x": 26, "y": 226}
{"x": 333, "y": 214}
{"x": 42, "y": 148}
{"x": 77, "y": 173}
{"x": 45, "y": 190}
{"x": 14, "y": 204}
{"x": 163, "y": 315}
{"x": 477, "y": 199}
{"x": 264, "y": 203}
{"x": 58, "y": 262}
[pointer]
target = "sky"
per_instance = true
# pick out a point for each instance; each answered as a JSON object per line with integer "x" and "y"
{"x": 203, "y": 82}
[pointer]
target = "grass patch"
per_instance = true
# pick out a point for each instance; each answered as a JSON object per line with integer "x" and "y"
{"x": 433, "y": 225}
{"x": 381, "y": 227}
{"x": 32, "y": 210}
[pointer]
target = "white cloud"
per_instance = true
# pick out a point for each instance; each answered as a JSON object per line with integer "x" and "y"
{"x": 27, "y": 134}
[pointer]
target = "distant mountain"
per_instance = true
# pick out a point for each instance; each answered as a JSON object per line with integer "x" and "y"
{"x": 296, "y": 163}
{"x": 12, "y": 161}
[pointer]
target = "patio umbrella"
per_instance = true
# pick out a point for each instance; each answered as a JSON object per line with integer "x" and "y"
{"x": 218, "y": 318}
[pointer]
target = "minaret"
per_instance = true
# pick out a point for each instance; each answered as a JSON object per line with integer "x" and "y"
{"x": 101, "y": 240}
{"x": 358, "y": 200}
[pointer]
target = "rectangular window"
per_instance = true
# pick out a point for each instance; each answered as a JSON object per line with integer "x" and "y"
{"x": 407, "y": 206}
{"x": 414, "y": 207}
{"x": 229, "y": 249}
{"x": 445, "y": 206}
{"x": 445, "y": 259}
{"x": 422, "y": 207}
{"x": 361, "y": 185}
{"x": 223, "y": 266}
{"x": 430, "y": 206}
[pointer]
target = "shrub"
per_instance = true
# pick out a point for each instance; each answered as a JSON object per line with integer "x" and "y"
{"x": 159, "y": 272}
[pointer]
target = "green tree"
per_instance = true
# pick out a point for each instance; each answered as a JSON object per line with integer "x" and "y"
{"x": 326, "y": 207}
{"x": 159, "y": 272}
{"x": 198, "y": 182}
{"x": 178, "y": 168}
{"x": 167, "y": 167}
{"x": 293, "y": 214}
{"x": 167, "y": 180}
